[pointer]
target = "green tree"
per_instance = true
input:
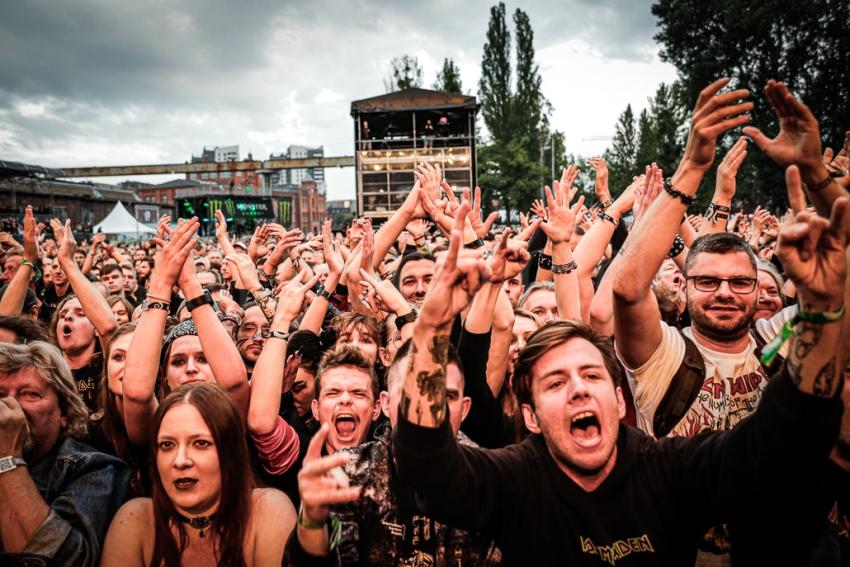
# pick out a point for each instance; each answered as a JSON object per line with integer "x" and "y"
{"x": 406, "y": 73}
{"x": 804, "y": 44}
{"x": 448, "y": 79}
{"x": 528, "y": 101}
{"x": 621, "y": 155}
{"x": 512, "y": 161}
{"x": 494, "y": 89}
{"x": 647, "y": 148}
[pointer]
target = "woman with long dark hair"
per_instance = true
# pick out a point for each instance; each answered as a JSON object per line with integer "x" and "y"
{"x": 204, "y": 509}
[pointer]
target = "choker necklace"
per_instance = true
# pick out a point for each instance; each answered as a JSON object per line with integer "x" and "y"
{"x": 200, "y": 523}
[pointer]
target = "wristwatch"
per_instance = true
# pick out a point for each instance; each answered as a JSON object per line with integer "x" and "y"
{"x": 403, "y": 320}
{"x": 11, "y": 463}
{"x": 203, "y": 299}
{"x": 544, "y": 261}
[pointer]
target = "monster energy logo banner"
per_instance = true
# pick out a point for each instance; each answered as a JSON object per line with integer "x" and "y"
{"x": 284, "y": 212}
{"x": 238, "y": 208}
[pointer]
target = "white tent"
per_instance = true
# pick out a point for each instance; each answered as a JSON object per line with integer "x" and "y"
{"x": 120, "y": 221}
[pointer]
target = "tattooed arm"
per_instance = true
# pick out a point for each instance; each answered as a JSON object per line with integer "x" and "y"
{"x": 460, "y": 274}
{"x": 812, "y": 250}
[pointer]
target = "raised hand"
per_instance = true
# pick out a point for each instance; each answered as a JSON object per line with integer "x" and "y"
{"x": 321, "y": 481}
{"x": 244, "y": 266}
{"x": 387, "y": 296}
{"x": 603, "y": 193}
{"x": 30, "y": 239}
{"x": 175, "y": 252}
{"x": 509, "y": 258}
{"x": 798, "y": 141}
{"x": 67, "y": 244}
{"x": 839, "y": 165}
{"x": 290, "y": 300}
{"x": 727, "y": 171}
{"x": 417, "y": 228}
{"x": 539, "y": 209}
{"x": 713, "y": 115}
{"x": 457, "y": 278}
{"x": 812, "y": 248}
{"x": 57, "y": 227}
{"x": 220, "y": 225}
{"x": 257, "y": 246}
{"x": 568, "y": 177}
{"x": 561, "y": 217}
{"x": 333, "y": 257}
{"x": 481, "y": 227}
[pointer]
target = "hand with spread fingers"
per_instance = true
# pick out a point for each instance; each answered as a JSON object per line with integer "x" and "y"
{"x": 561, "y": 217}
{"x": 714, "y": 114}
{"x": 798, "y": 141}
{"x": 481, "y": 227}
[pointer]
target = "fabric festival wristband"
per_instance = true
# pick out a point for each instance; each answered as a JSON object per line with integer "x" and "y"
{"x": 771, "y": 349}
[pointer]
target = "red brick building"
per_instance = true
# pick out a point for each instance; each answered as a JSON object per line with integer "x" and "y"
{"x": 309, "y": 207}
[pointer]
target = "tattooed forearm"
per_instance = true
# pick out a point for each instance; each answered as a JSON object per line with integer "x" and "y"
{"x": 825, "y": 379}
{"x": 806, "y": 339}
{"x": 423, "y": 399}
{"x": 813, "y": 364}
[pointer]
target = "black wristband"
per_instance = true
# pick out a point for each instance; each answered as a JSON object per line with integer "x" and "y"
{"x": 605, "y": 216}
{"x": 564, "y": 268}
{"x": 322, "y": 292}
{"x": 820, "y": 185}
{"x": 677, "y": 247}
{"x": 544, "y": 261}
{"x": 687, "y": 200}
{"x": 203, "y": 299}
{"x": 403, "y": 320}
{"x": 477, "y": 243}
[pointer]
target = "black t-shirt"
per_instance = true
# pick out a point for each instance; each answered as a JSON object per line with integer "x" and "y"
{"x": 50, "y": 299}
{"x": 87, "y": 379}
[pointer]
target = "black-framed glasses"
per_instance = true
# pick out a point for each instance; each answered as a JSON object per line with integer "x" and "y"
{"x": 737, "y": 285}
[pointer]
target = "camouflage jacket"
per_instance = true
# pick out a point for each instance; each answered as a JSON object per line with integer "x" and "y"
{"x": 384, "y": 527}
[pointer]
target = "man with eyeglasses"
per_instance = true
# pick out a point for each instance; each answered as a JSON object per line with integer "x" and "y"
{"x": 722, "y": 298}
{"x": 671, "y": 395}
{"x": 251, "y": 335}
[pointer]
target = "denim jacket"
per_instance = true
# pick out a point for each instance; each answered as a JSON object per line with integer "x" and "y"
{"x": 84, "y": 489}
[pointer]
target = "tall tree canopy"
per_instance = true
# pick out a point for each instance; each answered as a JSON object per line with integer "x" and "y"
{"x": 512, "y": 168}
{"x": 448, "y": 78}
{"x": 804, "y": 44}
{"x": 406, "y": 73}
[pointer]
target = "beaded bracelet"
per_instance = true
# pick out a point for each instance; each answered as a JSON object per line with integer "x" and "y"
{"x": 686, "y": 199}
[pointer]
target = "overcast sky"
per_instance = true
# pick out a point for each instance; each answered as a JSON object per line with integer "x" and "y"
{"x": 108, "y": 82}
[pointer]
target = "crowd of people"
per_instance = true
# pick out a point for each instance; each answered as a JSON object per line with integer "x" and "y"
{"x": 617, "y": 380}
